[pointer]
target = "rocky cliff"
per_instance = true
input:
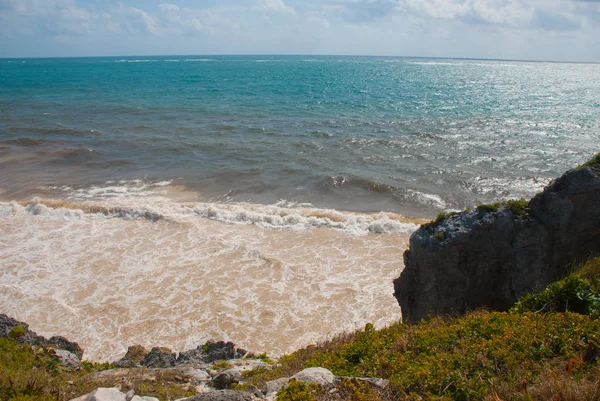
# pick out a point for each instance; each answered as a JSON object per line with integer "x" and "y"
{"x": 492, "y": 255}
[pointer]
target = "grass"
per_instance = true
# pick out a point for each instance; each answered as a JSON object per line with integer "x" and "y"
{"x": 518, "y": 207}
{"x": 34, "y": 373}
{"x": 522, "y": 355}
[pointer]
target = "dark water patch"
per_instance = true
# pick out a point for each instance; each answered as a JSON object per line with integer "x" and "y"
{"x": 25, "y": 142}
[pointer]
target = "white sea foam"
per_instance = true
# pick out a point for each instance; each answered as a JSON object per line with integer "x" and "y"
{"x": 137, "y": 199}
{"x": 125, "y": 264}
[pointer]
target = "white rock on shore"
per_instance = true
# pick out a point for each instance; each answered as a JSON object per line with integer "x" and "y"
{"x": 112, "y": 394}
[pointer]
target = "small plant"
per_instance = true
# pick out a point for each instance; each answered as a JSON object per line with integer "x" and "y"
{"x": 298, "y": 391}
{"x": 518, "y": 207}
{"x": 443, "y": 216}
{"x": 16, "y": 332}
{"x": 222, "y": 365}
{"x": 489, "y": 207}
{"x": 264, "y": 357}
{"x": 439, "y": 236}
{"x": 593, "y": 161}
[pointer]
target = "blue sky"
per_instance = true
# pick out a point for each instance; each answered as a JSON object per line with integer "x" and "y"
{"x": 513, "y": 29}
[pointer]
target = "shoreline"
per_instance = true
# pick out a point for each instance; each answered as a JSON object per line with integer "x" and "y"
{"x": 180, "y": 280}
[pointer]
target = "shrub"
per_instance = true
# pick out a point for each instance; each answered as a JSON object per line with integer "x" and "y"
{"x": 298, "y": 391}
{"x": 16, "y": 332}
{"x": 593, "y": 161}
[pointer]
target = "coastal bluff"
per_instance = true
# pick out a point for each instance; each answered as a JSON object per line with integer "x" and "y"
{"x": 492, "y": 255}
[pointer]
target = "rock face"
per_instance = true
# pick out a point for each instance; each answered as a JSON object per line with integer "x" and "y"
{"x": 164, "y": 358}
{"x": 8, "y": 327}
{"x": 159, "y": 358}
{"x": 487, "y": 257}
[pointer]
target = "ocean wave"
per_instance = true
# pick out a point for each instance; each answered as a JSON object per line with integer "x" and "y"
{"x": 141, "y": 203}
{"x": 135, "y": 61}
{"x": 342, "y": 181}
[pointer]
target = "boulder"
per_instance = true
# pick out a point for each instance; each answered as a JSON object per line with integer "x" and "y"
{"x": 319, "y": 376}
{"x": 491, "y": 256}
{"x": 226, "y": 378}
{"x": 112, "y": 394}
{"x": 159, "y": 358}
{"x": 68, "y": 359}
{"x": 133, "y": 358}
{"x": 273, "y": 386}
{"x": 209, "y": 352}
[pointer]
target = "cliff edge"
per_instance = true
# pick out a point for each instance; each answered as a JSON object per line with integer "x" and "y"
{"x": 494, "y": 254}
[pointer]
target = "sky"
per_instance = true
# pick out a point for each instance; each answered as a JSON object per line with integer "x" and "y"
{"x": 555, "y": 30}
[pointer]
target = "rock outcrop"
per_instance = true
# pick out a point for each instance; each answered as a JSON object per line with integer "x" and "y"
{"x": 211, "y": 351}
{"x": 492, "y": 255}
{"x": 19, "y": 331}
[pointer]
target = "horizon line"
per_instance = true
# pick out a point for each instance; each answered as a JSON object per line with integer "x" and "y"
{"x": 305, "y": 55}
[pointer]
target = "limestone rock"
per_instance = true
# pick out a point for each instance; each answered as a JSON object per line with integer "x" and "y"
{"x": 319, "y": 376}
{"x": 159, "y": 358}
{"x": 133, "y": 358}
{"x": 209, "y": 352}
{"x": 274, "y": 386}
{"x": 226, "y": 378}
{"x": 222, "y": 395}
{"x": 62, "y": 343}
{"x": 68, "y": 359}
{"x": 490, "y": 258}
{"x": 112, "y": 394}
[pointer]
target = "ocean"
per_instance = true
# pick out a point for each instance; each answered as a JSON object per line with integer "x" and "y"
{"x": 169, "y": 200}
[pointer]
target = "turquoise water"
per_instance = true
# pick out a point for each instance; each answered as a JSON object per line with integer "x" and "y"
{"x": 411, "y": 136}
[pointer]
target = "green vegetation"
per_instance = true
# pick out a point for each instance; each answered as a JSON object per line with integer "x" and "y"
{"x": 221, "y": 365}
{"x": 594, "y": 161}
{"x": 519, "y": 355}
{"x": 518, "y": 207}
{"x": 298, "y": 391}
{"x": 578, "y": 292}
{"x": 35, "y": 373}
{"x": 443, "y": 216}
{"x": 16, "y": 332}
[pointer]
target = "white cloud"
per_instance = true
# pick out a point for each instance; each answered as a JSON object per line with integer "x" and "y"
{"x": 465, "y": 28}
{"x": 279, "y": 6}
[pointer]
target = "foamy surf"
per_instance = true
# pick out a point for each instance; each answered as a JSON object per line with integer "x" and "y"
{"x": 133, "y": 266}
{"x": 137, "y": 199}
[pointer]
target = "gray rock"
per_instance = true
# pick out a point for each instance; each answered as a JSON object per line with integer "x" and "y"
{"x": 112, "y": 394}
{"x": 209, "y": 352}
{"x": 319, "y": 376}
{"x": 62, "y": 343}
{"x": 192, "y": 357}
{"x": 29, "y": 337}
{"x": 68, "y": 359}
{"x": 124, "y": 363}
{"x": 129, "y": 396}
{"x": 226, "y": 378}
{"x": 491, "y": 258}
{"x": 159, "y": 358}
{"x": 222, "y": 395}
{"x": 274, "y": 386}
